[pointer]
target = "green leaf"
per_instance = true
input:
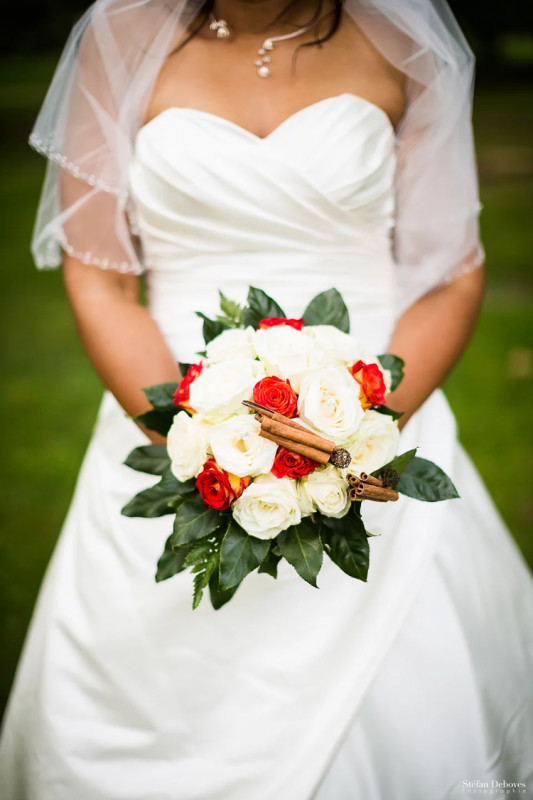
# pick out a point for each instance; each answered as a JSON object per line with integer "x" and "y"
{"x": 301, "y": 545}
{"x": 424, "y": 480}
{"x": 184, "y": 368}
{"x": 161, "y": 396}
{"x": 230, "y": 309}
{"x": 390, "y": 412}
{"x": 194, "y": 520}
{"x": 328, "y": 308}
{"x": 202, "y": 558}
{"x": 240, "y": 554}
{"x": 211, "y": 327}
{"x": 171, "y": 561}
{"x": 154, "y": 502}
{"x": 219, "y": 597}
{"x": 346, "y": 543}
{"x": 395, "y": 365}
{"x": 151, "y": 458}
{"x": 158, "y": 421}
{"x": 270, "y": 564}
{"x": 260, "y": 305}
{"x": 398, "y": 463}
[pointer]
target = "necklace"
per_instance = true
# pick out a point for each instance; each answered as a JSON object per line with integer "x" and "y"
{"x": 263, "y": 58}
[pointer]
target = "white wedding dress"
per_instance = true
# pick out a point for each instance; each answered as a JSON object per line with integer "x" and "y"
{"x": 402, "y": 688}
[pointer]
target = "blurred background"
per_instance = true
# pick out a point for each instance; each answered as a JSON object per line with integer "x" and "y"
{"x": 50, "y": 393}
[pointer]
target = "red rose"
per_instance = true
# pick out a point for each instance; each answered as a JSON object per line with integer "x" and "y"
{"x": 181, "y": 395}
{"x": 219, "y": 488}
{"x": 292, "y": 465}
{"x": 276, "y": 395}
{"x": 271, "y": 322}
{"x": 370, "y": 379}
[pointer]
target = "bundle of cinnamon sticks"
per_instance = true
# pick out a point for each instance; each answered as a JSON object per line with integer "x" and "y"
{"x": 288, "y": 433}
{"x": 367, "y": 487}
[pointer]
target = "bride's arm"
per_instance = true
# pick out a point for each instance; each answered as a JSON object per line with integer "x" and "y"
{"x": 120, "y": 337}
{"x": 431, "y": 335}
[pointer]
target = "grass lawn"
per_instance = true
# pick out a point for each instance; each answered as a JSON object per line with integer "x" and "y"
{"x": 50, "y": 393}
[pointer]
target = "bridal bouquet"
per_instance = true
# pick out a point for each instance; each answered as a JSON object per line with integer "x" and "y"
{"x": 275, "y": 437}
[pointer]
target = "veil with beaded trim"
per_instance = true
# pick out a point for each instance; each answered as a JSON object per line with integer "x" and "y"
{"x": 99, "y": 94}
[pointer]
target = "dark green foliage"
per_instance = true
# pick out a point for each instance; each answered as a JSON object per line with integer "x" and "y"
{"x": 211, "y": 328}
{"x": 240, "y": 554}
{"x": 395, "y": 365}
{"x": 159, "y": 499}
{"x": 328, "y": 308}
{"x": 171, "y": 561}
{"x": 150, "y": 458}
{"x": 301, "y": 545}
{"x": 346, "y": 543}
{"x": 194, "y": 520}
{"x": 398, "y": 463}
{"x": 259, "y": 305}
{"x": 424, "y": 480}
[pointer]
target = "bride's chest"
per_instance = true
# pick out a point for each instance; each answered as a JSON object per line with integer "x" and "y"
{"x": 328, "y": 163}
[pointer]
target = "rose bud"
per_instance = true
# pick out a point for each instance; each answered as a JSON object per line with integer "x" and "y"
{"x": 219, "y": 488}
{"x": 181, "y": 395}
{"x": 370, "y": 379}
{"x": 271, "y": 322}
{"x": 291, "y": 465}
{"x": 276, "y": 395}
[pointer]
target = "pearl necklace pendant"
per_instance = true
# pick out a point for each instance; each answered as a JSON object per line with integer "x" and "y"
{"x": 220, "y": 26}
{"x": 263, "y": 59}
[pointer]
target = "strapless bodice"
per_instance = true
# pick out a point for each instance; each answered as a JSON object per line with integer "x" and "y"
{"x": 305, "y": 208}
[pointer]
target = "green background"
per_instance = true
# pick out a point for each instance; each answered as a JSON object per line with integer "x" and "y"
{"x": 51, "y": 395}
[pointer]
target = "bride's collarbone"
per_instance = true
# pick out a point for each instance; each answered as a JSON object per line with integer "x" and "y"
{"x": 261, "y": 110}
{"x": 229, "y": 87}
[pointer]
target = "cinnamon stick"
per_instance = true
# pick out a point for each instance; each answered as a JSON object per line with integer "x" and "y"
{"x": 366, "y": 478}
{"x": 263, "y": 411}
{"x": 352, "y": 479}
{"x": 297, "y": 434}
{"x": 266, "y": 412}
{"x": 367, "y": 491}
{"x": 296, "y": 447}
{"x": 288, "y": 433}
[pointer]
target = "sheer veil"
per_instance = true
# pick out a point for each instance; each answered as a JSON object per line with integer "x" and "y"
{"x": 99, "y": 94}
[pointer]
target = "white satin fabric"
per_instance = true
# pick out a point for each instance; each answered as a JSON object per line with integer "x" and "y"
{"x": 402, "y": 687}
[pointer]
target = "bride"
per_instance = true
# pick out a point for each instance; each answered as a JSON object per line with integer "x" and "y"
{"x": 294, "y": 145}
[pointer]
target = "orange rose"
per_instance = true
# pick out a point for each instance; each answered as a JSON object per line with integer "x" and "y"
{"x": 181, "y": 395}
{"x": 370, "y": 379}
{"x": 219, "y": 488}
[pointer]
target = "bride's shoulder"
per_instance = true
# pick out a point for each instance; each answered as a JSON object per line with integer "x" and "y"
{"x": 372, "y": 74}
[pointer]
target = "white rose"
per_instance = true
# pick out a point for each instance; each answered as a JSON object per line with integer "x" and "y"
{"x": 327, "y": 490}
{"x": 238, "y": 448}
{"x": 287, "y": 353}
{"x": 340, "y": 349}
{"x": 220, "y": 388}
{"x": 329, "y": 402}
{"x": 233, "y": 343}
{"x": 307, "y": 506}
{"x": 267, "y": 506}
{"x": 376, "y": 443}
{"x": 187, "y": 446}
